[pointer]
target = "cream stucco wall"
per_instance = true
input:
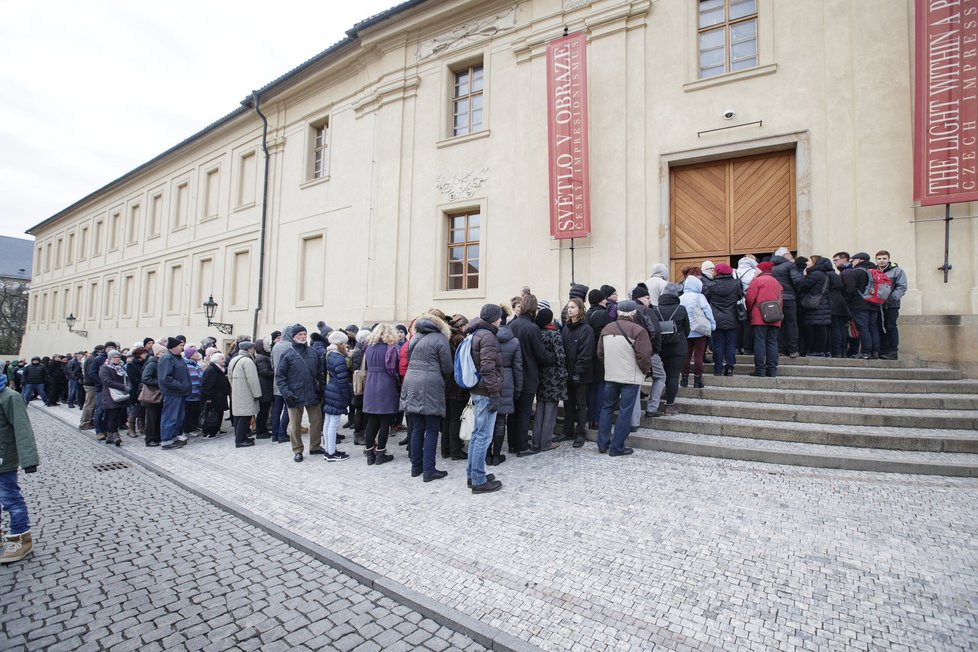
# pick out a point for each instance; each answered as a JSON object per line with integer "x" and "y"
{"x": 833, "y": 83}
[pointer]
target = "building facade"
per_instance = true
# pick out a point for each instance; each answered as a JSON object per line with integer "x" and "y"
{"x": 407, "y": 167}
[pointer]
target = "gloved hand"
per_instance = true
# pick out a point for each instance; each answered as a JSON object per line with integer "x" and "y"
{"x": 576, "y": 379}
{"x": 493, "y": 404}
{"x": 30, "y": 469}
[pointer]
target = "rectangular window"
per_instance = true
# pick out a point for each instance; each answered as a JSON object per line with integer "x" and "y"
{"x": 246, "y": 179}
{"x": 54, "y": 306}
{"x": 70, "y": 250}
{"x": 311, "y": 269}
{"x": 205, "y": 282}
{"x": 128, "y": 288}
{"x": 83, "y": 244}
{"x": 97, "y": 239}
{"x": 155, "y": 215}
{"x": 320, "y": 150}
{"x": 47, "y": 257}
{"x": 76, "y": 306}
{"x": 58, "y": 249}
{"x": 44, "y": 307}
{"x": 463, "y": 251}
{"x": 38, "y": 259}
{"x": 108, "y": 301}
{"x": 149, "y": 293}
{"x": 68, "y": 308}
{"x": 467, "y": 100}
{"x": 115, "y": 222}
{"x": 174, "y": 293}
{"x": 181, "y": 205}
{"x": 240, "y": 276}
{"x": 727, "y": 36}
{"x": 212, "y": 189}
{"x": 93, "y": 300}
{"x": 132, "y": 228}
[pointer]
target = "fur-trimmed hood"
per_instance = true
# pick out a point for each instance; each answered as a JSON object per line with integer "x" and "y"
{"x": 428, "y": 322}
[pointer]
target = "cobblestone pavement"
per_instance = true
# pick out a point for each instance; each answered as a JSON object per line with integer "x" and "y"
{"x": 125, "y": 560}
{"x": 584, "y": 552}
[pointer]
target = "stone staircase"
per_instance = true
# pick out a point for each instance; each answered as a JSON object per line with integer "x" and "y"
{"x": 870, "y": 415}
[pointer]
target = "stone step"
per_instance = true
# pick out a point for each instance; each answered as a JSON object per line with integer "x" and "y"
{"x": 827, "y": 371}
{"x": 850, "y": 416}
{"x": 862, "y": 385}
{"x": 847, "y": 362}
{"x": 803, "y": 454}
{"x": 936, "y": 440}
{"x": 868, "y": 400}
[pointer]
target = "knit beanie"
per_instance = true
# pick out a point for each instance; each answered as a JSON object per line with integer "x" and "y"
{"x": 766, "y": 266}
{"x": 338, "y": 337}
{"x": 578, "y": 291}
{"x": 298, "y": 328}
{"x": 639, "y": 292}
{"x": 490, "y": 313}
{"x": 172, "y": 343}
{"x": 158, "y": 349}
{"x": 594, "y": 297}
{"x": 352, "y": 328}
{"x": 723, "y": 268}
{"x": 708, "y": 269}
{"x": 545, "y": 317}
{"x": 543, "y": 303}
{"x": 673, "y": 289}
{"x": 189, "y": 352}
{"x": 607, "y": 290}
{"x": 861, "y": 255}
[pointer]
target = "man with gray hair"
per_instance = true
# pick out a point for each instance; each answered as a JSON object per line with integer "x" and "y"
{"x": 626, "y": 350}
{"x": 280, "y": 412}
{"x": 790, "y": 277}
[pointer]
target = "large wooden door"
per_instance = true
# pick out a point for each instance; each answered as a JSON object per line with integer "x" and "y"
{"x": 738, "y": 206}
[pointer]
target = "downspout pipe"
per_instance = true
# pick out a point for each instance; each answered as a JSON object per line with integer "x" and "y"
{"x": 254, "y": 101}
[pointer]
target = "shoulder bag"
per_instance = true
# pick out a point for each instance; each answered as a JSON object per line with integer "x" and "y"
{"x": 149, "y": 395}
{"x": 812, "y": 301}
{"x": 360, "y": 375}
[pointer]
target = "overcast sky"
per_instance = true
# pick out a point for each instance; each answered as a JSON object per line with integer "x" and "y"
{"x": 90, "y": 89}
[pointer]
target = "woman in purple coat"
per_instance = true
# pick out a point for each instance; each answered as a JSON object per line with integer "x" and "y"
{"x": 381, "y": 390}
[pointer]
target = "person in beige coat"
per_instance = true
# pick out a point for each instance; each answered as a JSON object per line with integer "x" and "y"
{"x": 245, "y": 392}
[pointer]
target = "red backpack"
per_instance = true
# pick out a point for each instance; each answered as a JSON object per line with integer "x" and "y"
{"x": 878, "y": 288}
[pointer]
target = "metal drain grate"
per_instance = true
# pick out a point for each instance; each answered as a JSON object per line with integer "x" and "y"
{"x": 112, "y": 466}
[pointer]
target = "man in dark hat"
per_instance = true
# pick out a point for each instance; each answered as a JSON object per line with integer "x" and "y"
{"x": 854, "y": 283}
{"x": 175, "y": 386}
{"x": 299, "y": 379}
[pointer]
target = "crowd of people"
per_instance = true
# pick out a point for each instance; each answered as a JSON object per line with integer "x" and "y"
{"x": 390, "y": 379}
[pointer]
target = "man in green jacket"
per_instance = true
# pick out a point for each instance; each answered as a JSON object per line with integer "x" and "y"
{"x": 17, "y": 450}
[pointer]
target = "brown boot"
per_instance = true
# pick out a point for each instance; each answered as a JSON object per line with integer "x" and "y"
{"x": 20, "y": 545}
{"x": 131, "y": 425}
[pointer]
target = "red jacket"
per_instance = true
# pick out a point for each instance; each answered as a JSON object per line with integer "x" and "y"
{"x": 763, "y": 288}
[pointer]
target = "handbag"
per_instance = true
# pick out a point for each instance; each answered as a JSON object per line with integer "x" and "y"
{"x": 812, "y": 301}
{"x": 741, "y": 311}
{"x": 698, "y": 323}
{"x": 771, "y": 311}
{"x": 467, "y": 422}
{"x": 360, "y": 376}
{"x": 150, "y": 395}
{"x": 118, "y": 395}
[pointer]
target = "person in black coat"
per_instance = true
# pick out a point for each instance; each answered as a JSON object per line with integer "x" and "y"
{"x": 215, "y": 389}
{"x": 817, "y": 283}
{"x": 266, "y": 378}
{"x": 535, "y": 355}
{"x": 723, "y": 294}
{"x": 674, "y": 347}
{"x": 863, "y": 313}
{"x": 137, "y": 411}
{"x": 579, "y": 347}
{"x": 839, "y": 328}
{"x": 597, "y": 317}
{"x": 789, "y": 276}
{"x": 56, "y": 380}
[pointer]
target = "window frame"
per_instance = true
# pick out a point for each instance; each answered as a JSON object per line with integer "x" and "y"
{"x": 451, "y": 67}
{"x": 472, "y": 70}
{"x": 441, "y": 238}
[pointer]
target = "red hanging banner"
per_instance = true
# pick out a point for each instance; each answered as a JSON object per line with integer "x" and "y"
{"x": 946, "y": 102}
{"x": 570, "y": 213}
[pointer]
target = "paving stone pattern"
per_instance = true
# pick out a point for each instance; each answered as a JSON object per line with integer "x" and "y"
{"x": 580, "y": 551}
{"x": 125, "y": 560}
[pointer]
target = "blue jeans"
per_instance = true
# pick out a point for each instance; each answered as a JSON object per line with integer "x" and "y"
{"x": 72, "y": 392}
{"x": 840, "y": 336}
{"x": 171, "y": 419}
{"x": 724, "y": 349}
{"x": 280, "y": 417}
{"x": 887, "y": 327}
{"x": 13, "y": 501}
{"x": 766, "y": 350}
{"x": 485, "y": 422}
{"x": 612, "y": 392}
{"x": 595, "y": 399}
{"x": 30, "y": 389}
{"x": 424, "y": 441}
{"x": 99, "y": 417}
{"x": 869, "y": 334}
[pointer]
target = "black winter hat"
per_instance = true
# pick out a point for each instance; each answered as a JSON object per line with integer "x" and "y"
{"x": 490, "y": 313}
{"x": 578, "y": 291}
{"x": 639, "y": 292}
{"x": 172, "y": 343}
{"x": 607, "y": 290}
{"x": 594, "y": 297}
{"x": 298, "y": 328}
{"x": 545, "y": 317}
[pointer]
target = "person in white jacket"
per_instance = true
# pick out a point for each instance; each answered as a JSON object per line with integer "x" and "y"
{"x": 746, "y": 271}
{"x": 701, "y": 327}
{"x": 657, "y": 282}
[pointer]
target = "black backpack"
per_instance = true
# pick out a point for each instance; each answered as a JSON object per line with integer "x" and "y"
{"x": 669, "y": 329}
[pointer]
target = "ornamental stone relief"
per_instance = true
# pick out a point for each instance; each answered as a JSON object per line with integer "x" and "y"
{"x": 461, "y": 186}
{"x": 570, "y": 5}
{"x": 467, "y": 33}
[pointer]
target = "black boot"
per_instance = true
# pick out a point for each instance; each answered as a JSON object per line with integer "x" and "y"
{"x": 697, "y": 382}
{"x": 371, "y": 456}
{"x": 684, "y": 380}
{"x": 359, "y": 439}
{"x": 383, "y": 457}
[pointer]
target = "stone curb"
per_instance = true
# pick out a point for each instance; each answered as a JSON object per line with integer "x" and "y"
{"x": 489, "y": 637}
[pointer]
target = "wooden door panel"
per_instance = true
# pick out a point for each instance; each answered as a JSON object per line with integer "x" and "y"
{"x": 699, "y": 210}
{"x": 762, "y": 216}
